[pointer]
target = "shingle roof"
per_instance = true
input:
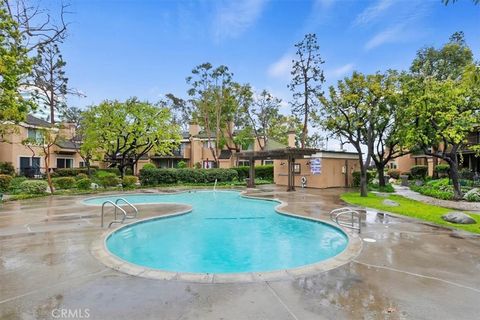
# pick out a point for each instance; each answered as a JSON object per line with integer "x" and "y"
{"x": 34, "y": 121}
{"x": 67, "y": 144}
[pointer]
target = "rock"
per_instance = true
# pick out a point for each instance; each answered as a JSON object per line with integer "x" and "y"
{"x": 419, "y": 183}
{"x": 390, "y": 203}
{"x": 382, "y": 194}
{"x": 458, "y": 217}
{"x": 94, "y": 186}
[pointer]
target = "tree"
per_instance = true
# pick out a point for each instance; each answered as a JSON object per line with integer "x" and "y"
{"x": 446, "y": 2}
{"x": 125, "y": 132}
{"x": 307, "y": 80}
{"x": 15, "y": 66}
{"x": 209, "y": 97}
{"x": 346, "y": 115}
{"x": 384, "y": 132}
{"x": 74, "y": 116}
{"x": 180, "y": 109}
{"x": 46, "y": 140}
{"x": 442, "y": 115}
{"x": 49, "y": 80}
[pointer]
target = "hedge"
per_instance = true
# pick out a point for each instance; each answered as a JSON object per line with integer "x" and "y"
{"x": 5, "y": 181}
{"x": 33, "y": 187}
{"x": 394, "y": 173}
{"x": 442, "y": 168}
{"x": 64, "y": 182}
{"x": 7, "y": 168}
{"x": 84, "y": 184}
{"x": 419, "y": 172}
{"x": 72, "y": 172}
{"x": 261, "y": 172}
{"x": 356, "y": 177}
{"x": 169, "y": 176}
{"x": 129, "y": 181}
{"x": 108, "y": 179}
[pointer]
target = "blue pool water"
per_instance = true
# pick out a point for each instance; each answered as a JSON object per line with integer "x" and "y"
{"x": 225, "y": 233}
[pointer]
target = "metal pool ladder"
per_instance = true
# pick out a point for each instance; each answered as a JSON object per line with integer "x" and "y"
{"x": 347, "y": 217}
{"x": 116, "y": 207}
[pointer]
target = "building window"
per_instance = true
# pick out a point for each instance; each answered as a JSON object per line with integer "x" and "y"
{"x": 82, "y": 164}
{"x": 208, "y": 164}
{"x": 243, "y": 163}
{"x": 268, "y": 162}
{"x": 64, "y": 163}
{"x": 209, "y": 144}
{"x": 30, "y": 166}
{"x": 35, "y": 135}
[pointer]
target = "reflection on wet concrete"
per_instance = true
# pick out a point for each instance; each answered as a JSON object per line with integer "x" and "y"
{"x": 412, "y": 271}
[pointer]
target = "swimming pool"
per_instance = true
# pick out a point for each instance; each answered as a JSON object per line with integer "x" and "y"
{"x": 224, "y": 233}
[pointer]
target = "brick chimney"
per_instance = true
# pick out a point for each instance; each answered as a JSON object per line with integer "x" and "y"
{"x": 291, "y": 138}
{"x": 194, "y": 129}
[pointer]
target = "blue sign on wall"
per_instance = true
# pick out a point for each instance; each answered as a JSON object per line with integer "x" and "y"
{"x": 316, "y": 165}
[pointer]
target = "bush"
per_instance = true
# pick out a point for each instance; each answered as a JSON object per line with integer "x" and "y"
{"x": 438, "y": 183}
{"x": 15, "y": 184}
{"x": 356, "y": 177}
{"x": 84, "y": 184}
{"x": 149, "y": 166}
{"x": 5, "y": 181}
{"x": 393, "y": 173}
{"x": 151, "y": 177}
{"x": 72, "y": 172}
{"x": 264, "y": 172}
{"x": 472, "y": 195}
{"x": 129, "y": 181}
{"x": 375, "y": 187}
{"x": 101, "y": 172}
{"x": 419, "y": 172}
{"x": 181, "y": 164}
{"x": 439, "y": 193}
{"x": 466, "y": 174}
{"x": 81, "y": 176}
{"x": 442, "y": 168}
{"x": 7, "y": 168}
{"x": 108, "y": 179}
{"x": 64, "y": 183}
{"x": 33, "y": 187}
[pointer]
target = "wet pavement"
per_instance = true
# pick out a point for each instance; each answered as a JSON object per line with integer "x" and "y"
{"x": 412, "y": 271}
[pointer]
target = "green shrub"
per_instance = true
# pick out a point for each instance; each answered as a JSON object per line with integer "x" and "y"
{"x": 64, "y": 182}
{"x": 438, "y": 183}
{"x": 158, "y": 176}
{"x": 101, "y": 172}
{"x": 356, "y": 177}
{"x": 72, "y": 172}
{"x": 466, "y": 174}
{"x": 419, "y": 172}
{"x": 108, "y": 179}
{"x": 442, "y": 168}
{"x": 33, "y": 186}
{"x": 5, "y": 181}
{"x": 7, "y": 168}
{"x": 264, "y": 172}
{"x": 393, "y": 173}
{"x": 84, "y": 184}
{"x": 15, "y": 184}
{"x": 81, "y": 176}
{"x": 433, "y": 192}
{"x": 181, "y": 164}
{"x": 375, "y": 187}
{"x": 149, "y": 166}
{"x": 129, "y": 181}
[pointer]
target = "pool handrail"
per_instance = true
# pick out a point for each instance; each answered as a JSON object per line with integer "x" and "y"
{"x": 130, "y": 205}
{"x": 115, "y": 213}
{"x": 336, "y": 213}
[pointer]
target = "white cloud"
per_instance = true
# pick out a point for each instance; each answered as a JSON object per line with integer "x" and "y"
{"x": 341, "y": 71}
{"x": 324, "y": 3}
{"x": 235, "y": 17}
{"x": 372, "y": 12}
{"x": 392, "y": 34}
{"x": 281, "y": 68}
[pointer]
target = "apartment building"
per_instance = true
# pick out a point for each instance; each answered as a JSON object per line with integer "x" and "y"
{"x": 467, "y": 160}
{"x": 29, "y": 160}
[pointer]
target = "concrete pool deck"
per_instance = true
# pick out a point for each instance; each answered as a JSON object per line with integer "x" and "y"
{"x": 412, "y": 271}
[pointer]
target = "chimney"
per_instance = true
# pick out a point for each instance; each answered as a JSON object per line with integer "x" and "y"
{"x": 194, "y": 129}
{"x": 291, "y": 138}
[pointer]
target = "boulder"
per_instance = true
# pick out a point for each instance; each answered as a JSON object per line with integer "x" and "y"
{"x": 458, "y": 217}
{"x": 390, "y": 203}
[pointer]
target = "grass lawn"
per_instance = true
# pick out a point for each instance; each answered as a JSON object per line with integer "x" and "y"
{"x": 410, "y": 208}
